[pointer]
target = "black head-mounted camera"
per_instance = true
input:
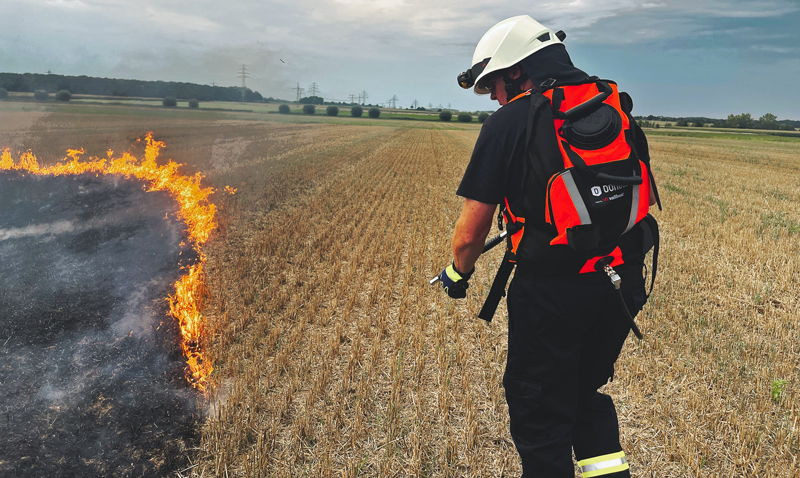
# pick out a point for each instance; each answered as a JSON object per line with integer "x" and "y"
{"x": 466, "y": 79}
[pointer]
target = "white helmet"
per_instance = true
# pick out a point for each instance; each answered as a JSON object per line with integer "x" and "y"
{"x": 505, "y": 45}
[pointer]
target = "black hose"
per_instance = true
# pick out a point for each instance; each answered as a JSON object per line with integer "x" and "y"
{"x": 632, "y": 323}
{"x": 494, "y": 241}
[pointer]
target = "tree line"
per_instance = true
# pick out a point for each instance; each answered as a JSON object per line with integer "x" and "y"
{"x": 87, "y": 85}
{"x": 741, "y": 121}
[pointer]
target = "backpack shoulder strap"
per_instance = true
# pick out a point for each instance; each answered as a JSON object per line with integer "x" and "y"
{"x": 651, "y": 240}
{"x": 537, "y": 101}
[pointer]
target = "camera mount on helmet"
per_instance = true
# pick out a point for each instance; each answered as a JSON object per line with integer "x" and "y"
{"x": 467, "y": 78}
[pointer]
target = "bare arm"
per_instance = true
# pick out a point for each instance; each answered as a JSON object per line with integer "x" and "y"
{"x": 470, "y": 233}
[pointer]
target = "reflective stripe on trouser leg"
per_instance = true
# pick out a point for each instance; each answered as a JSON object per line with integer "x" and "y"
{"x": 603, "y": 465}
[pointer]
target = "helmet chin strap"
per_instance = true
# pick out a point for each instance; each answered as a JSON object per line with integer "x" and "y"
{"x": 513, "y": 87}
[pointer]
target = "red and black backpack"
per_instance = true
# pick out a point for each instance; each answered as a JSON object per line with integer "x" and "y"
{"x": 591, "y": 160}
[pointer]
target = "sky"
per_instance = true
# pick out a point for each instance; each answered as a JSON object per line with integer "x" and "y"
{"x": 675, "y": 57}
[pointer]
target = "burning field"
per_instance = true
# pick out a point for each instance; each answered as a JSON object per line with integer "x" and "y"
{"x": 93, "y": 363}
{"x": 329, "y": 353}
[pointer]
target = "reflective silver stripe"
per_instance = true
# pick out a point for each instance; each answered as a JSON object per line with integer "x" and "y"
{"x": 577, "y": 199}
{"x": 603, "y": 465}
{"x": 593, "y": 469}
{"x": 634, "y": 207}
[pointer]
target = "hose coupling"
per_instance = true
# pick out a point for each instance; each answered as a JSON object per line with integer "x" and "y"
{"x": 612, "y": 274}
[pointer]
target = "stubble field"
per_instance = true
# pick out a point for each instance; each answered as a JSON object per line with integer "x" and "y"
{"x": 333, "y": 356}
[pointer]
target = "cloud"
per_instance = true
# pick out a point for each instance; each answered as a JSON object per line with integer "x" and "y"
{"x": 413, "y": 47}
{"x": 72, "y": 4}
{"x": 773, "y": 49}
{"x": 180, "y": 21}
{"x": 740, "y": 9}
{"x": 716, "y": 26}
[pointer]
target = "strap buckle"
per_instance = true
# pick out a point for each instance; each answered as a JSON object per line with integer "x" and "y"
{"x": 548, "y": 83}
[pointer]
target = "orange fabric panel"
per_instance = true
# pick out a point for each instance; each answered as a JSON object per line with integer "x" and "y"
{"x": 618, "y": 150}
{"x": 512, "y": 219}
{"x": 517, "y": 236}
{"x": 582, "y": 93}
{"x": 564, "y": 213}
{"x": 508, "y": 211}
{"x": 521, "y": 95}
{"x": 589, "y": 266}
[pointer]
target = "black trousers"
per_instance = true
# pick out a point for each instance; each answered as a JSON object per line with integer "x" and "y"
{"x": 563, "y": 339}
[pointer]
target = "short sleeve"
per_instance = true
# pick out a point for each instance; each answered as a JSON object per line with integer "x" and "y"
{"x": 484, "y": 179}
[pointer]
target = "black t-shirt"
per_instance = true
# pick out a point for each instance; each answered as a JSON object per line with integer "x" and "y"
{"x": 496, "y": 165}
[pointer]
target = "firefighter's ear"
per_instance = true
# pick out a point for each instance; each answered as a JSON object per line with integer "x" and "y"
{"x": 515, "y": 72}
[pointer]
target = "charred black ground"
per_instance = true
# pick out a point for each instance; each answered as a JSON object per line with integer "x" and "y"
{"x": 92, "y": 378}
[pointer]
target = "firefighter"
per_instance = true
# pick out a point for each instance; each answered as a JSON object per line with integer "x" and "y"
{"x": 566, "y": 326}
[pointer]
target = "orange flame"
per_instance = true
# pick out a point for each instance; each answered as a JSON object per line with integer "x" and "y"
{"x": 195, "y": 210}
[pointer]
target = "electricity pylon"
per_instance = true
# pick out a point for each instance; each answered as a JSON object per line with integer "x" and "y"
{"x": 243, "y": 75}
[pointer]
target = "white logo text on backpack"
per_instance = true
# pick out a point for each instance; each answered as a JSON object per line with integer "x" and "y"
{"x": 605, "y": 188}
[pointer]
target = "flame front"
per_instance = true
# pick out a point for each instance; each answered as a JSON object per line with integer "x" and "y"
{"x": 195, "y": 211}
